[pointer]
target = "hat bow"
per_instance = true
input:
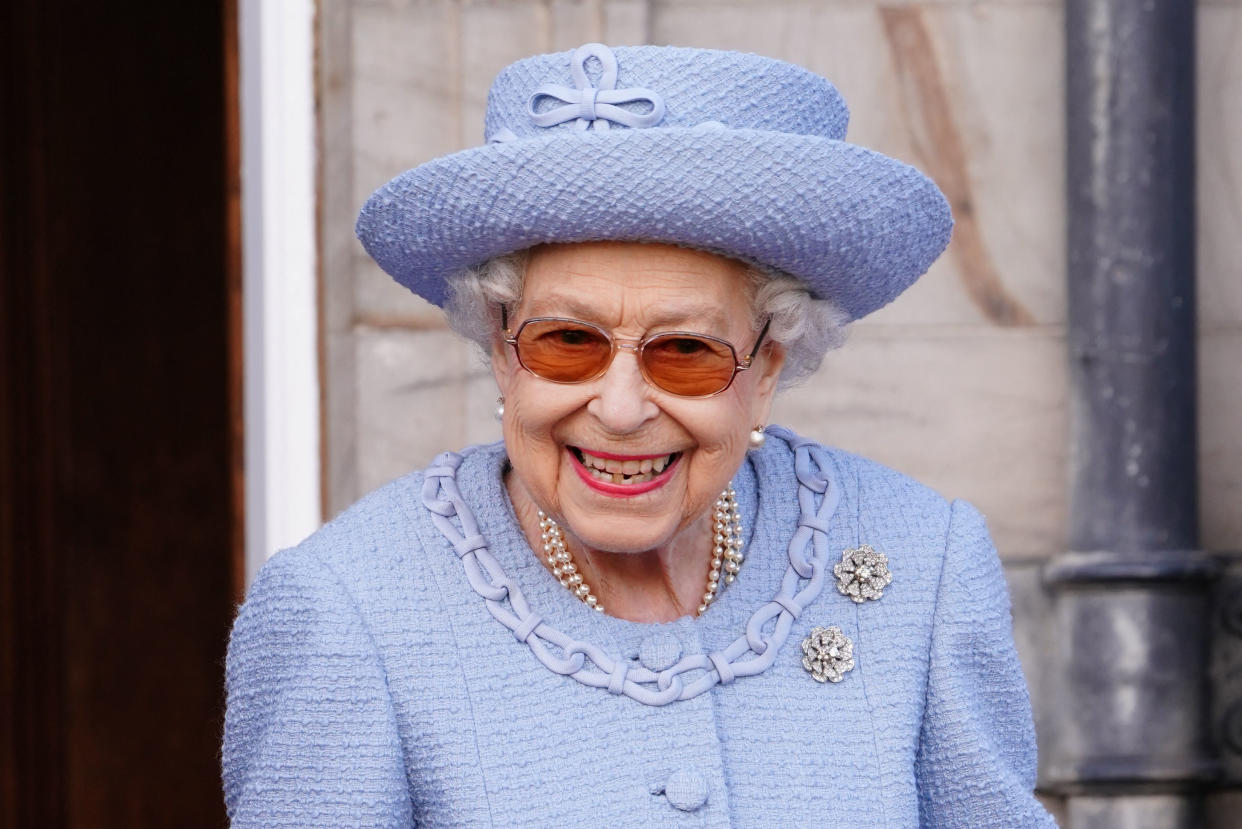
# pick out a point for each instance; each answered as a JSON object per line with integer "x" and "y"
{"x": 592, "y": 106}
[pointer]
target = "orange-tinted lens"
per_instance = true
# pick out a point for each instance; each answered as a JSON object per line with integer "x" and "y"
{"x": 563, "y": 351}
{"x": 689, "y": 365}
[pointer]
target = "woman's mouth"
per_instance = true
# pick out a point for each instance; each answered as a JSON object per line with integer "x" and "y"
{"x": 624, "y": 474}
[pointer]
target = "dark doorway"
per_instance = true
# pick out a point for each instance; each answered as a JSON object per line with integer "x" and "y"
{"x": 119, "y": 409}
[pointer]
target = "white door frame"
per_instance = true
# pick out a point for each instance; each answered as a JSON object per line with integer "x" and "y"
{"x": 279, "y": 294}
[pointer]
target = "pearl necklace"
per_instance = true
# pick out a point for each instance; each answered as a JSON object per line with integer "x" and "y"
{"x": 726, "y": 553}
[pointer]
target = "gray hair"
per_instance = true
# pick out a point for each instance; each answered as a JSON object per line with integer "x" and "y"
{"x": 806, "y": 327}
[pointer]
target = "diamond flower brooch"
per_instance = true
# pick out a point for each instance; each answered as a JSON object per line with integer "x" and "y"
{"x": 862, "y": 574}
{"x": 827, "y": 653}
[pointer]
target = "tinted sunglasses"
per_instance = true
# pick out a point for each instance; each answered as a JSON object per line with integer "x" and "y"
{"x": 678, "y": 362}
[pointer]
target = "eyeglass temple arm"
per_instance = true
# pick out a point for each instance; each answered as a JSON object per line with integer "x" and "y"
{"x": 754, "y": 349}
{"x": 505, "y": 333}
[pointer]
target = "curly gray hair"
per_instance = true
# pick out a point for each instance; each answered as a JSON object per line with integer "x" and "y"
{"x": 806, "y": 327}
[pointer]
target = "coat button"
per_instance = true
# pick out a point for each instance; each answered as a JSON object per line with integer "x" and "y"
{"x": 686, "y": 790}
{"x": 659, "y": 651}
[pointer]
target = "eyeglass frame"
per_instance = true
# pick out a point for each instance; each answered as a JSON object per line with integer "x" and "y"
{"x": 635, "y": 346}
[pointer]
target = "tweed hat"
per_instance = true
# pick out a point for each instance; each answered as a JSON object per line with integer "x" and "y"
{"x": 726, "y": 152}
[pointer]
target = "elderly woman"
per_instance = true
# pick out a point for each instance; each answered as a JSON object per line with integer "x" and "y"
{"x": 644, "y": 606}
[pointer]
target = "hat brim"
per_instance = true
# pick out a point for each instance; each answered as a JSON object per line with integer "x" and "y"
{"x": 856, "y": 226}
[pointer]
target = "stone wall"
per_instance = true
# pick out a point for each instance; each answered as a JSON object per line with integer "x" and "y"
{"x": 960, "y": 383}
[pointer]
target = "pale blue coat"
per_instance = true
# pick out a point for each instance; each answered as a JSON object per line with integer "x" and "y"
{"x": 370, "y": 684}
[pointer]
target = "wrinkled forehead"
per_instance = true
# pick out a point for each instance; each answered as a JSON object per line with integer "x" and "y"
{"x": 637, "y": 284}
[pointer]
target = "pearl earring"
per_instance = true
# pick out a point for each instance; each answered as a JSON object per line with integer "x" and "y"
{"x": 757, "y": 437}
{"x": 500, "y": 407}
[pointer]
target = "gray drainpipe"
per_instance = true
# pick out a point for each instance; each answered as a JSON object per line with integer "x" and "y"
{"x": 1130, "y": 743}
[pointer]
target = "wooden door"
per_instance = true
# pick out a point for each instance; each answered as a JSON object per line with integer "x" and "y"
{"x": 119, "y": 409}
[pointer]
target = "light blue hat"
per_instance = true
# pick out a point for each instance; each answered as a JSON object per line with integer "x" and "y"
{"x": 727, "y": 152}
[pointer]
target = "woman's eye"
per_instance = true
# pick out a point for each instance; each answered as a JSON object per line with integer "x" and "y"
{"x": 570, "y": 336}
{"x": 685, "y": 345}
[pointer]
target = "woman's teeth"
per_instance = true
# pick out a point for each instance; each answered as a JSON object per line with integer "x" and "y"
{"x": 612, "y": 471}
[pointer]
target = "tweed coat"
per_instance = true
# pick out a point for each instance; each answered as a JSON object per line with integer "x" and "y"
{"x": 371, "y": 684}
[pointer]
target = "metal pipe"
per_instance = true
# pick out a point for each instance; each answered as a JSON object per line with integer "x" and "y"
{"x": 1131, "y": 595}
{"x": 1131, "y": 236}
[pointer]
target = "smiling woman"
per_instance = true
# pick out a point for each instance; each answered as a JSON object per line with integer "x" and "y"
{"x": 627, "y": 568}
{"x": 576, "y": 448}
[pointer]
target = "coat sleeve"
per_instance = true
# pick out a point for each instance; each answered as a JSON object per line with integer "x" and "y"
{"x": 976, "y": 757}
{"x": 310, "y": 738}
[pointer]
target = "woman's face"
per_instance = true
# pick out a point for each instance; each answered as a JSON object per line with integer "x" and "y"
{"x": 555, "y": 434}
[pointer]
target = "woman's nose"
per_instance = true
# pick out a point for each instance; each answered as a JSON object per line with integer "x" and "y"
{"x": 622, "y": 402}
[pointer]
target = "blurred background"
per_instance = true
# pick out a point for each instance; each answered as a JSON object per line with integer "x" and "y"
{"x": 200, "y": 363}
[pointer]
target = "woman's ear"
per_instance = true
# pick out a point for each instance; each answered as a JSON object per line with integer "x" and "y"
{"x": 500, "y": 351}
{"x": 770, "y": 361}
{"x": 500, "y": 362}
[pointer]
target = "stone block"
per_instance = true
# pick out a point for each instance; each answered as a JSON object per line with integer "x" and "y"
{"x": 337, "y": 245}
{"x": 1219, "y": 163}
{"x": 379, "y": 300}
{"x": 975, "y": 413}
{"x": 372, "y": 170}
{"x": 339, "y": 464}
{"x": 406, "y": 89}
{"x": 398, "y": 125}
{"x": 334, "y": 122}
{"x": 479, "y": 423}
{"x": 570, "y": 23}
{"x": 411, "y": 41}
{"x": 1220, "y": 439}
{"x": 414, "y": 390}
{"x": 752, "y": 27}
{"x": 494, "y": 35}
{"x": 1002, "y": 70}
{"x": 627, "y": 22}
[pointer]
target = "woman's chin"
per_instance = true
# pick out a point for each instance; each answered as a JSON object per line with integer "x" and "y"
{"x": 622, "y": 536}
